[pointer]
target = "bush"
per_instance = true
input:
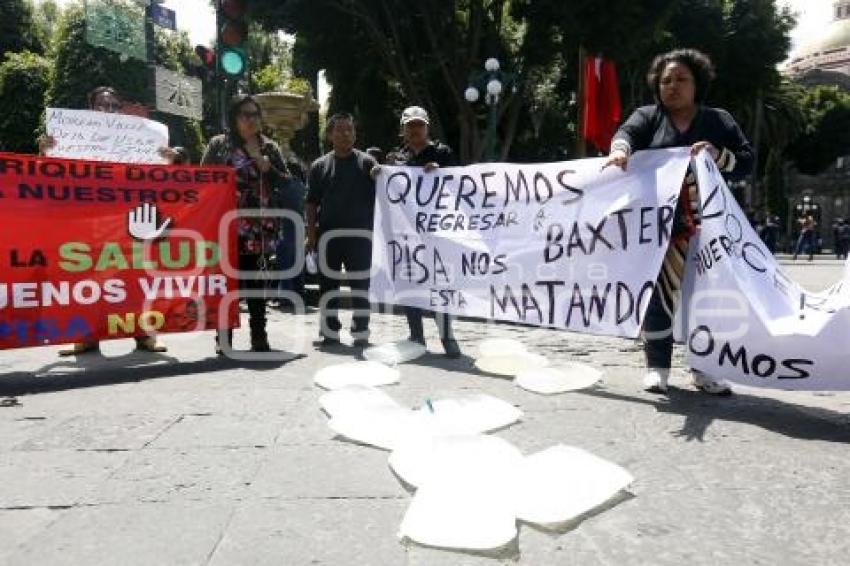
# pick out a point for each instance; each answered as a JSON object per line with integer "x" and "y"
{"x": 23, "y": 82}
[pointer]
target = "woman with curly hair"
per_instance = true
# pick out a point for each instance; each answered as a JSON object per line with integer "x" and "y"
{"x": 680, "y": 82}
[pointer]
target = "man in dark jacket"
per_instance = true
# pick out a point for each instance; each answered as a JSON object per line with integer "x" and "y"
{"x": 420, "y": 151}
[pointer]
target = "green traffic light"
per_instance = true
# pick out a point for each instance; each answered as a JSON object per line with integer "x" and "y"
{"x": 232, "y": 62}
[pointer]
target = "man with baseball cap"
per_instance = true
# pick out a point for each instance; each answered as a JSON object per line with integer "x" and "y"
{"x": 418, "y": 150}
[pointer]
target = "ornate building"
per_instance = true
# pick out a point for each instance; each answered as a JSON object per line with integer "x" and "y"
{"x": 824, "y": 61}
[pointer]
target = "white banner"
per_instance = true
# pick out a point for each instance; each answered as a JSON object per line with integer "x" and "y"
{"x": 560, "y": 245}
{"x": 104, "y": 136}
{"x": 746, "y": 320}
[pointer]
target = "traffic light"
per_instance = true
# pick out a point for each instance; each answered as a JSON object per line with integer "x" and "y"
{"x": 232, "y": 32}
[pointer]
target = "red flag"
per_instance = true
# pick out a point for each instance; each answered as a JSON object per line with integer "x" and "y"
{"x": 602, "y": 112}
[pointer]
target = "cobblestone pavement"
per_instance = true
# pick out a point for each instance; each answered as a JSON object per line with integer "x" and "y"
{"x": 187, "y": 459}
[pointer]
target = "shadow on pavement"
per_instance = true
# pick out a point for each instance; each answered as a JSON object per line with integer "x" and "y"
{"x": 95, "y": 370}
{"x": 700, "y": 410}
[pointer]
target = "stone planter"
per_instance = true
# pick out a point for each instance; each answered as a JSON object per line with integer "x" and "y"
{"x": 286, "y": 113}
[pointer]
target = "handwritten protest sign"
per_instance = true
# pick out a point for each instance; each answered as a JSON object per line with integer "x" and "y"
{"x": 102, "y": 136}
{"x": 744, "y": 319}
{"x": 561, "y": 245}
{"x": 94, "y": 250}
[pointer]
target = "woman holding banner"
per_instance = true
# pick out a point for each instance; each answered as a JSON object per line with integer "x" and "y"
{"x": 260, "y": 173}
{"x": 679, "y": 81}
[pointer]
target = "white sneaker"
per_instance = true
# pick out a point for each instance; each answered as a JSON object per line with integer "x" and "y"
{"x": 711, "y": 385}
{"x": 655, "y": 380}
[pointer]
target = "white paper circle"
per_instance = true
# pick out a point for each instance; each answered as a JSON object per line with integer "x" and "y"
{"x": 356, "y": 373}
{"x": 465, "y": 501}
{"x": 355, "y": 398}
{"x": 500, "y": 347}
{"x": 469, "y": 414}
{"x": 395, "y": 352}
{"x": 381, "y": 427}
{"x": 552, "y": 380}
{"x": 418, "y": 458}
{"x": 510, "y": 364}
{"x": 563, "y": 482}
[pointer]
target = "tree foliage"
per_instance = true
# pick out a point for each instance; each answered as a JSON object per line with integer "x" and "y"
{"x": 79, "y": 67}
{"x": 827, "y": 133}
{"x": 23, "y": 80}
{"x": 381, "y": 55}
{"x": 17, "y": 32}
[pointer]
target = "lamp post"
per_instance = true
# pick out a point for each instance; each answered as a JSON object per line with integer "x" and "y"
{"x": 491, "y": 84}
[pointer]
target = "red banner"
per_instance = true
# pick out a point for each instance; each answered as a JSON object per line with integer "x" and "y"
{"x": 107, "y": 250}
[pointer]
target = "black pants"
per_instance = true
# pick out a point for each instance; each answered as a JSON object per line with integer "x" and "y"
{"x": 417, "y": 331}
{"x": 658, "y": 334}
{"x": 256, "y": 304}
{"x": 355, "y": 254}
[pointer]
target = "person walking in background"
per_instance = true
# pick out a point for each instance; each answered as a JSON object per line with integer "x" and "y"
{"x": 679, "y": 80}
{"x": 341, "y": 196}
{"x": 843, "y": 238}
{"x": 770, "y": 231}
{"x": 261, "y": 175}
{"x": 807, "y": 241}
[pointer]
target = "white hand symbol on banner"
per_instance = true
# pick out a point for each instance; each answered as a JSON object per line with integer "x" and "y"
{"x": 142, "y": 221}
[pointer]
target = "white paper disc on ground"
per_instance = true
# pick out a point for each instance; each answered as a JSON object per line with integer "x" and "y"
{"x": 417, "y": 458}
{"x": 381, "y": 427}
{"x": 470, "y": 414}
{"x": 356, "y": 373}
{"x": 353, "y": 398}
{"x": 462, "y": 506}
{"x": 395, "y": 352}
{"x": 510, "y": 364}
{"x": 551, "y": 380}
{"x": 563, "y": 482}
{"x": 500, "y": 347}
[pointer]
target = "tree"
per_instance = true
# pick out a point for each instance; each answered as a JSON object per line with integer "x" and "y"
{"x": 17, "y": 32}
{"x": 79, "y": 67}
{"x": 384, "y": 54}
{"x": 775, "y": 190}
{"x": 827, "y": 134}
{"x": 45, "y": 19}
{"x": 23, "y": 80}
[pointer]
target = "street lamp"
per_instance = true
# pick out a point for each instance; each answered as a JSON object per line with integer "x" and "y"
{"x": 491, "y": 84}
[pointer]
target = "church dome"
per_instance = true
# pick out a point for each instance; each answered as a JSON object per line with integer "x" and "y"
{"x": 830, "y": 51}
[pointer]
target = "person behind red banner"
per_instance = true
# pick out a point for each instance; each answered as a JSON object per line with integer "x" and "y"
{"x": 679, "y": 81}
{"x": 261, "y": 172}
{"x": 106, "y": 99}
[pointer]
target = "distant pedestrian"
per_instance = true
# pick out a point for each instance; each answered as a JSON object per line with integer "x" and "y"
{"x": 770, "y": 231}
{"x": 844, "y": 238}
{"x": 807, "y": 241}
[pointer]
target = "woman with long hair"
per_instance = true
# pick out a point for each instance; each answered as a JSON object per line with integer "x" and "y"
{"x": 261, "y": 172}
